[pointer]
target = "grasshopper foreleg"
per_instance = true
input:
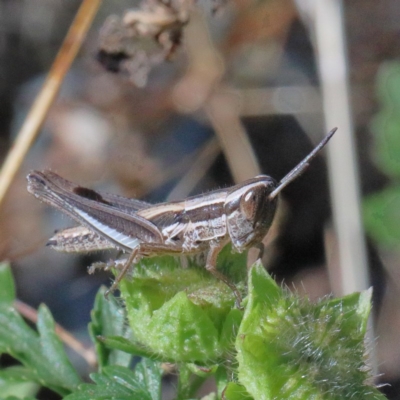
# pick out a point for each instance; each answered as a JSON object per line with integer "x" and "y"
{"x": 211, "y": 267}
{"x": 260, "y": 246}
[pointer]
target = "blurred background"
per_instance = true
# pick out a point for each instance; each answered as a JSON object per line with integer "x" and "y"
{"x": 223, "y": 92}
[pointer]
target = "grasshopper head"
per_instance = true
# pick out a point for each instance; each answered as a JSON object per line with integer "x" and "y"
{"x": 250, "y": 206}
{"x": 250, "y": 211}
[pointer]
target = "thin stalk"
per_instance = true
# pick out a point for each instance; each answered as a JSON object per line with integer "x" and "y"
{"x": 48, "y": 93}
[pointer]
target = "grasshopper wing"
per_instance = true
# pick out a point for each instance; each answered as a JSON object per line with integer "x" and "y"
{"x": 125, "y": 204}
{"x": 98, "y": 213}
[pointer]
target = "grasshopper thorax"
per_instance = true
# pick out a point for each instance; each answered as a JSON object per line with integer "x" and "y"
{"x": 249, "y": 211}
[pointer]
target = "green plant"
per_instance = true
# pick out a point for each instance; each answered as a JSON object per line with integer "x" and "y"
{"x": 381, "y": 210}
{"x": 280, "y": 346}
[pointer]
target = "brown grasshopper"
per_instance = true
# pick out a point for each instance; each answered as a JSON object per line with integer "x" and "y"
{"x": 241, "y": 214}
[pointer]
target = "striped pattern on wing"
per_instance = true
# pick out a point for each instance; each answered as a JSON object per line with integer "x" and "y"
{"x": 92, "y": 210}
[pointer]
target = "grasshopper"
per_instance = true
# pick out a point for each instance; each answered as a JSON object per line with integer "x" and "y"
{"x": 241, "y": 214}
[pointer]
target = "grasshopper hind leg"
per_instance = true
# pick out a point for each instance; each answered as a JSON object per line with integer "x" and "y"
{"x": 121, "y": 265}
{"x": 116, "y": 263}
{"x": 122, "y": 272}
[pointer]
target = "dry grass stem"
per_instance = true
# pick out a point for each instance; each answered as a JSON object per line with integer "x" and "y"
{"x": 48, "y": 93}
{"x": 223, "y": 112}
{"x": 197, "y": 170}
{"x": 201, "y": 88}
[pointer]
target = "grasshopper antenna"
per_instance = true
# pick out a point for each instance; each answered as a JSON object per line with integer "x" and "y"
{"x": 300, "y": 168}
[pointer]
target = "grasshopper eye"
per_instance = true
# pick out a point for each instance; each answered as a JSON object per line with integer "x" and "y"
{"x": 248, "y": 204}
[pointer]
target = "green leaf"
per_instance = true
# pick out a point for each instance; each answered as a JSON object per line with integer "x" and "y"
{"x": 149, "y": 373}
{"x": 16, "y": 374}
{"x": 221, "y": 379}
{"x": 263, "y": 294}
{"x": 108, "y": 319}
{"x": 7, "y": 287}
{"x": 194, "y": 338}
{"x": 17, "y": 398}
{"x": 381, "y": 213}
{"x": 356, "y": 307}
{"x": 364, "y": 309}
{"x": 17, "y": 382}
{"x": 180, "y": 315}
{"x": 234, "y": 391}
{"x": 43, "y": 355}
{"x": 117, "y": 382}
{"x": 230, "y": 328}
{"x": 290, "y": 348}
{"x": 18, "y": 390}
{"x": 53, "y": 351}
{"x": 385, "y": 127}
{"x": 127, "y": 346}
{"x": 386, "y": 123}
{"x": 388, "y": 84}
